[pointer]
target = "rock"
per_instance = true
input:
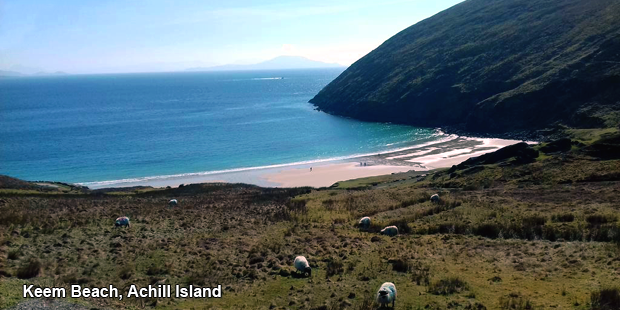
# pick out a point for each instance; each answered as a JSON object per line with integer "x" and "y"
{"x": 605, "y": 148}
{"x": 520, "y": 153}
{"x": 375, "y": 239}
{"x": 351, "y": 295}
{"x": 561, "y": 145}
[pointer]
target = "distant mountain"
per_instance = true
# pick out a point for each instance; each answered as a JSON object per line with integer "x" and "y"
{"x": 20, "y": 74}
{"x": 491, "y": 66}
{"x": 9, "y": 73}
{"x": 24, "y": 69}
{"x": 278, "y": 63}
{"x": 50, "y": 73}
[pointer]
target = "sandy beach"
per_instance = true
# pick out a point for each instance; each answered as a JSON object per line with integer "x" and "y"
{"x": 439, "y": 154}
{"x": 423, "y": 158}
{"x": 327, "y": 175}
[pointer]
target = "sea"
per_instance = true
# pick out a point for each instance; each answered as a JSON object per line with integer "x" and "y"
{"x": 109, "y": 129}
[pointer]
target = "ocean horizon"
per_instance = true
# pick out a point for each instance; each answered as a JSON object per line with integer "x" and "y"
{"x": 108, "y": 129}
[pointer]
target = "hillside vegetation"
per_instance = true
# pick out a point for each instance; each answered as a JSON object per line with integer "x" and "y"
{"x": 523, "y": 228}
{"x": 491, "y": 66}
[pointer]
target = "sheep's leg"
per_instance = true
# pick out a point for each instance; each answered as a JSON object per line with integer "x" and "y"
{"x": 393, "y": 301}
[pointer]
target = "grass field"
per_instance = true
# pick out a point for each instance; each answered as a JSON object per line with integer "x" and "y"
{"x": 539, "y": 235}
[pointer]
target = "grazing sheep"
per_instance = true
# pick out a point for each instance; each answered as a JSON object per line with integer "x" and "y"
{"x": 364, "y": 222}
{"x": 122, "y": 221}
{"x": 386, "y": 294}
{"x": 390, "y": 231}
{"x": 435, "y": 198}
{"x": 301, "y": 264}
{"x": 172, "y": 203}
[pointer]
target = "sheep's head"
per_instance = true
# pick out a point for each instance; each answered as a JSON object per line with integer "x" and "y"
{"x": 308, "y": 270}
{"x": 383, "y": 296}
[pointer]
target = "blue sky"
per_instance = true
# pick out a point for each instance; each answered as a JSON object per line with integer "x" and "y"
{"x": 84, "y": 36}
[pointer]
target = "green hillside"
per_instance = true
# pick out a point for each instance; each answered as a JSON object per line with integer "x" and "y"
{"x": 491, "y": 66}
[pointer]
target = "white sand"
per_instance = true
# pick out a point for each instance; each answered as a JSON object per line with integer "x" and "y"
{"x": 327, "y": 175}
{"x": 447, "y": 153}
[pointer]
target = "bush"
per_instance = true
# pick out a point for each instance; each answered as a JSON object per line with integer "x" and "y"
{"x": 400, "y": 264}
{"x": 488, "y": 230}
{"x": 126, "y": 272}
{"x": 448, "y": 286}
{"x": 605, "y": 299}
{"x": 14, "y": 254}
{"x": 296, "y": 205}
{"x": 563, "y": 218}
{"x": 402, "y": 225}
{"x": 514, "y": 301}
{"x": 334, "y": 267}
{"x": 420, "y": 274}
{"x": 29, "y": 268}
{"x": 605, "y": 233}
{"x": 599, "y": 219}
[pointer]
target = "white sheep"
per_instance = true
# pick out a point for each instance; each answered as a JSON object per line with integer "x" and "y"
{"x": 173, "y": 203}
{"x": 386, "y": 294}
{"x": 435, "y": 198}
{"x": 301, "y": 264}
{"x": 364, "y": 222}
{"x": 390, "y": 231}
{"x": 121, "y": 221}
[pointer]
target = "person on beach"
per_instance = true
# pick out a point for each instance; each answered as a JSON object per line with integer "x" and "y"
{"x": 310, "y": 169}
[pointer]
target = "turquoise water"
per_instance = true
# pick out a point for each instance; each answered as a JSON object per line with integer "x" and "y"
{"x": 93, "y": 128}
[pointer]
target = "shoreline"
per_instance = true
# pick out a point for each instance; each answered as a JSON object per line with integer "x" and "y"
{"x": 442, "y": 153}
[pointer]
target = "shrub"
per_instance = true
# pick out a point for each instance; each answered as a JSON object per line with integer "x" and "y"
{"x": 297, "y": 205}
{"x": 563, "y": 218}
{"x": 534, "y": 220}
{"x": 125, "y": 272}
{"x": 402, "y": 225}
{"x": 514, "y": 301}
{"x": 599, "y": 219}
{"x": 605, "y": 299}
{"x": 334, "y": 267}
{"x": 400, "y": 264}
{"x": 447, "y": 286}
{"x": 14, "y": 254}
{"x": 605, "y": 233}
{"x": 157, "y": 268}
{"x": 29, "y": 268}
{"x": 488, "y": 230}
{"x": 452, "y": 228}
{"x": 420, "y": 274}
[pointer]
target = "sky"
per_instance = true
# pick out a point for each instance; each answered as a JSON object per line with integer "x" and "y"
{"x": 102, "y": 36}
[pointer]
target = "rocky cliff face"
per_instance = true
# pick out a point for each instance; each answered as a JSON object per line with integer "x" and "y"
{"x": 492, "y": 66}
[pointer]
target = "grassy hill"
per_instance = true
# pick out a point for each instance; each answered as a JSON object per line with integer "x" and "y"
{"x": 491, "y": 66}
{"x": 509, "y": 233}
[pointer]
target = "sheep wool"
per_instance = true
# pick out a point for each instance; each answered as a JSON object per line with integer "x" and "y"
{"x": 365, "y": 222}
{"x": 122, "y": 221}
{"x": 435, "y": 198}
{"x": 390, "y": 231}
{"x": 172, "y": 202}
{"x": 386, "y": 294}
{"x": 301, "y": 264}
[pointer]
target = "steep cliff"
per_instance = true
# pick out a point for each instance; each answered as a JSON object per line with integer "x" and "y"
{"x": 492, "y": 66}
